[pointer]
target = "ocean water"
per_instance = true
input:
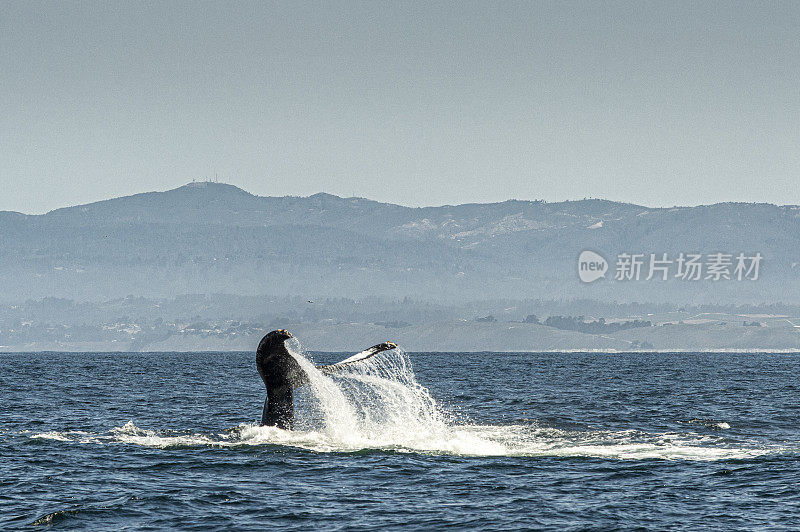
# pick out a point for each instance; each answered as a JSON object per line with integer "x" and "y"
{"x": 423, "y": 441}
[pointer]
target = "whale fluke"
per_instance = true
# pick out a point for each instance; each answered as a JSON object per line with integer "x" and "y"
{"x": 282, "y": 374}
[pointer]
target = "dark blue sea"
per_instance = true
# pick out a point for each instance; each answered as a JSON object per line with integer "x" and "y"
{"x": 420, "y": 441}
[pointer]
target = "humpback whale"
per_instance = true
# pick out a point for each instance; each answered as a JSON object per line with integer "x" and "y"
{"x": 282, "y": 374}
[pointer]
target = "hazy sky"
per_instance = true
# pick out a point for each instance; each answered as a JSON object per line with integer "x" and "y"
{"x": 417, "y": 103}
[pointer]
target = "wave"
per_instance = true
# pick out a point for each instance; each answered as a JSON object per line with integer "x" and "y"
{"x": 710, "y": 423}
{"x": 463, "y": 440}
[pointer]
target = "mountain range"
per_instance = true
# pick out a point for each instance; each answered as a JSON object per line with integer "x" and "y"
{"x": 213, "y": 238}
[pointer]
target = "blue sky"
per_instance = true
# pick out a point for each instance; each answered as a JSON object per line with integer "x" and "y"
{"x": 418, "y": 103}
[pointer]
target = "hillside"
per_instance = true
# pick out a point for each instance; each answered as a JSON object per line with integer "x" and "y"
{"x": 205, "y": 238}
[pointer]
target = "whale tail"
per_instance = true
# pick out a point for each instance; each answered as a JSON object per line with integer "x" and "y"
{"x": 282, "y": 374}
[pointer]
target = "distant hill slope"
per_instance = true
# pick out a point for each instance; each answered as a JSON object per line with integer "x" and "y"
{"x": 217, "y": 238}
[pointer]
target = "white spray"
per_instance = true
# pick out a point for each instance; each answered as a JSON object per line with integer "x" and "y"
{"x": 374, "y": 403}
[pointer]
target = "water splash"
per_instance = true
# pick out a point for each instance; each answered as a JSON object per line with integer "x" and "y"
{"x": 377, "y": 404}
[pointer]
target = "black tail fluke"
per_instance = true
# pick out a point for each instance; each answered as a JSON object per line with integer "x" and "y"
{"x": 281, "y": 374}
